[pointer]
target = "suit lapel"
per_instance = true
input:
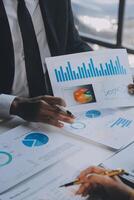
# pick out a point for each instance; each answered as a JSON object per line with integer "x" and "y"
{"x": 55, "y": 24}
{"x": 6, "y": 53}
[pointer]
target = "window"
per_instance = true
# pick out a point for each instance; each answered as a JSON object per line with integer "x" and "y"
{"x": 96, "y": 18}
{"x": 106, "y": 23}
{"x": 128, "y": 31}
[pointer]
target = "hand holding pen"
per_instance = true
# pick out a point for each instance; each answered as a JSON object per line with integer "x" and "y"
{"x": 101, "y": 181}
{"x": 45, "y": 109}
{"x": 109, "y": 173}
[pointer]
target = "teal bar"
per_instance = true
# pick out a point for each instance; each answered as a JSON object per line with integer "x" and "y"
{"x": 102, "y": 70}
{"x": 77, "y": 76}
{"x": 117, "y": 67}
{"x": 88, "y": 73}
{"x": 69, "y": 77}
{"x": 70, "y": 70}
{"x": 85, "y": 70}
{"x": 66, "y": 77}
{"x": 100, "y": 73}
{"x": 57, "y": 76}
{"x": 105, "y": 72}
{"x": 80, "y": 72}
{"x": 62, "y": 73}
{"x": 60, "y": 76}
{"x": 122, "y": 70}
{"x": 109, "y": 66}
{"x": 118, "y": 61}
{"x": 108, "y": 71}
{"x": 112, "y": 67}
{"x": 97, "y": 72}
{"x": 74, "y": 75}
{"x": 90, "y": 70}
{"x": 93, "y": 68}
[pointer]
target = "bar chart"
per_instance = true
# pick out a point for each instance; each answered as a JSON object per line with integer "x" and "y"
{"x": 121, "y": 122}
{"x": 89, "y": 70}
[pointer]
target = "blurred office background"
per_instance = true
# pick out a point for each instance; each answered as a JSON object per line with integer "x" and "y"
{"x": 106, "y": 23}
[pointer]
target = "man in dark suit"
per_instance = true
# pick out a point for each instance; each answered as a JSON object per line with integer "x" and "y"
{"x": 30, "y": 32}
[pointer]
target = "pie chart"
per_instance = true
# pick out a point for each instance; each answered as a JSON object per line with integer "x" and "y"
{"x": 5, "y": 158}
{"x": 78, "y": 125}
{"x": 93, "y": 114}
{"x": 35, "y": 139}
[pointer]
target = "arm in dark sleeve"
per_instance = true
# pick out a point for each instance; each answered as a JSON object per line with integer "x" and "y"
{"x": 74, "y": 43}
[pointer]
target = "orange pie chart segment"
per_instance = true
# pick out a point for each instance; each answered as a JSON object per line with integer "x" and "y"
{"x": 83, "y": 95}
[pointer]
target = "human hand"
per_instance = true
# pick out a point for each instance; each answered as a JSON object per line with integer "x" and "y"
{"x": 92, "y": 181}
{"x": 41, "y": 109}
{"x": 131, "y": 89}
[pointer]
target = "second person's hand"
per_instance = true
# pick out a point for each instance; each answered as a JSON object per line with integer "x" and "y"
{"x": 41, "y": 109}
{"x": 131, "y": 89}
{"x": 112, "y": 188}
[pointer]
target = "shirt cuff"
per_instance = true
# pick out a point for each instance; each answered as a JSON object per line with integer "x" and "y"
{"x": 5, "y": 104}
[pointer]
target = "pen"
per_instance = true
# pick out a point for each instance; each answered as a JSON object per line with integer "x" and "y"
{"x": 65, "y": 111}
{"x": 111, "y": 173}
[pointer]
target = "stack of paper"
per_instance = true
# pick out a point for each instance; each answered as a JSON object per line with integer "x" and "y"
{"x": 95, "y": 84}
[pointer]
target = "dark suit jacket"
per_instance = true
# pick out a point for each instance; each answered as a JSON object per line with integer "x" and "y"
{"x": 62, "y": 37}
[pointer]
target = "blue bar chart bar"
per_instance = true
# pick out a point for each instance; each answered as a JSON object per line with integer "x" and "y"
{"x": 62, "y": 73}
{"x": 68, "y": 74}
{"x": 107, "y": 68}
{"x": 57, "y": 77}
{"x": 85, "y": 70}
{"x": 89, "y": 70}
{"x": 121, "y": 123}
{"x": 75, "y": 77}
{"x": 66, "y": 77}
{"x": 80, "y": 73}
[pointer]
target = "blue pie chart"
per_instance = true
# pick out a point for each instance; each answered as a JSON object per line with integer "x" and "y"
{"x": 35, "y": 139}
{"x": 93, "y": 113}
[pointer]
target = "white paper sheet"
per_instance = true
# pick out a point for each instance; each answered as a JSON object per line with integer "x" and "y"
{"x": 111, "y": 127}
{"x": 26, "y": 150}
{"x": 92, "y": 79}
{"x": 123, "y": 159}
{"x": 45, "y": 186}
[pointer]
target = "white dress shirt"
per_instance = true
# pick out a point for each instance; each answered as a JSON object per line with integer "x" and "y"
{"x": 20, "y": 85}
